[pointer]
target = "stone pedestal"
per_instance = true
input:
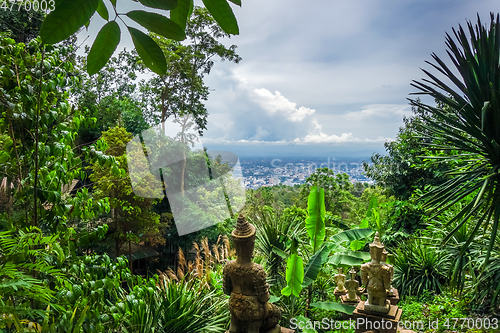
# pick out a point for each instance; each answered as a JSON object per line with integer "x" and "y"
{"x": 344, "y": 300}
{"x": 394, "y": 299}
{"x": 339, "y": 294}
{"x": 382, "y": 323}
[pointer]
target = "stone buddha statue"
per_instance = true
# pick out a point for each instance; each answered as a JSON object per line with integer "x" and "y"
{"x": 352, "y": 287}
{"x": 377, "y": 279}
{"x": 339, "y": 279}
{"x": 245, "y": 283}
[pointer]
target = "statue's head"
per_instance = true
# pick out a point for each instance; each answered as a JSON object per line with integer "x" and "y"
{"x": 244, "y": 239}
{"x": 353, "y": 273}
{"x": 376, "y": 248}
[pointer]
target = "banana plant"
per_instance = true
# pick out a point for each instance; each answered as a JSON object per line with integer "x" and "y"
{"x": 298, "y": 276}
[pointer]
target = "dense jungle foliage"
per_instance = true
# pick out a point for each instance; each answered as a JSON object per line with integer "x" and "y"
{"x": 81, "y": 252}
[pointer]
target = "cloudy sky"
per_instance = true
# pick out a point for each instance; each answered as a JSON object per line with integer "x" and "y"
{"x": 332, "y": 74}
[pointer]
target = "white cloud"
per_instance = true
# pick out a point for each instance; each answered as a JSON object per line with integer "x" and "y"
{"x": 324, "y": 138}
{"x": 379, "y": 111}
{"x": 278, "y": 104}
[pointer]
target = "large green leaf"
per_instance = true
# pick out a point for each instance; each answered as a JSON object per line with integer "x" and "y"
{"x": 149, "y": 51}
{"x": 158, "y": 24}
{"x": 306, "y": 324}
{"x": 104, "y": 45}
{"x": 314, "y": 264}
{"x": 223, "y": 14}
{"x": 182, "y": 12}
{"x": 350, "y": 235}
{"x": 294, "y": 276}
{"x": 160, "y": 4}
{"x": 66, "y": 19}
{"x": 344, "y": 308}
{"x": 357, "y": 244}
{"x": 345, "y": 260}
{"x": 102, "y": 10}
{"x": 315, "y": 222}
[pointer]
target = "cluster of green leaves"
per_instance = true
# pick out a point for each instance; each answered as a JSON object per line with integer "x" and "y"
{"x": 37, "y": 133}
{"x": 131, "y": 213}
{"x": 70, "y": 15}
{"x": 468, "y": 127}
{"x": 23, "y": 266}
{"x": 181, "y": 89}
{"x": 168, "y": 306}
{"x": 318, "y": 250}
{"x": 418, "y": 267}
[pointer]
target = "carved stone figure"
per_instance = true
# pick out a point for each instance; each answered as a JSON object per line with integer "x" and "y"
{"x": 245, "y": 283}
{"x": 352, "y": 287}
{"x": 377, "y": 279}
{"x": 340, "y": 281}
{"x": 390, "y": 291}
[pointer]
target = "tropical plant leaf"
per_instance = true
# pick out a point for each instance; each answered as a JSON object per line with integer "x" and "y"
{"x": 149, "y": 51}
{"x": 279, "y": 252}
{"x": 66, "y": 19}
{"x": 103, "y": 48}
{"x": 274, "y": 299}
{"x": 160, "y": 4}
{"x": 294, "y": 276}
{"x": 357, "y": 244}
{"x": 344, "y": 308}
{"x": 223, "y": 15}
{"x": 303, "y": 322}
{"x": 314, "y": 265}
{"x": 468, "y": 122}
{"x": 158, "y": 24}
{"x": 102, "y": 10}
{"x": 182, "y": 12}
{"x": 349, "y": 236}
{"x": 236, "y": 2}
{"x": 315, "y": 222}
{"x": 372, "y": 205}
{"x": 345, "y": 260}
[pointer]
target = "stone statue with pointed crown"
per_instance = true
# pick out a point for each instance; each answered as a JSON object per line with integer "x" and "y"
{"x": 352, "y": 287}
{"x": 339, "y": 279}
{"x": 377, "y": 279}
{"x": 245, "y": 283}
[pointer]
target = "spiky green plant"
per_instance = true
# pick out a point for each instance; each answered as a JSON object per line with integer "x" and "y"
{"x": 274, "y": 234}
{"x": 418, "y": 267}
{"x": 186, "y": 308}
{"x": 467, "y": 127}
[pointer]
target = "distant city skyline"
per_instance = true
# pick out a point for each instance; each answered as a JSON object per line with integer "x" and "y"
{"x": 259, "y": 172}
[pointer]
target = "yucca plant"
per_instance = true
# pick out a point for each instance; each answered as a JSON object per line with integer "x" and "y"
{"x": 466, "y": 127}
{"x": 418, "y": 267}
{"x": 274, "y": 238}
{"x": 184, "y": 309}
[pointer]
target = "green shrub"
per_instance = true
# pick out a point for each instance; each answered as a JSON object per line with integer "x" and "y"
{"x": 418, "y": 267}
